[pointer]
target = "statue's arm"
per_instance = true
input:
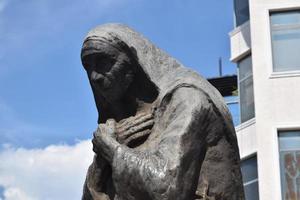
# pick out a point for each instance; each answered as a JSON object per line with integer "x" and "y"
{"x": 171, "y": 169}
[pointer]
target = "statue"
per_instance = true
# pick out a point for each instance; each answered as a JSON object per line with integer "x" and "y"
{"x": 164, "y": 132}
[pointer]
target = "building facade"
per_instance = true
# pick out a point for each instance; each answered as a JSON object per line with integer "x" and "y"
{"x": 265, "y": 45}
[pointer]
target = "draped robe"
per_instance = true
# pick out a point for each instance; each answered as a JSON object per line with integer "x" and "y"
{"x": 191, "y": 152}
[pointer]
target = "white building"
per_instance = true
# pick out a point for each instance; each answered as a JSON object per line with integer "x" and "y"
{"x": 265, "y": 44}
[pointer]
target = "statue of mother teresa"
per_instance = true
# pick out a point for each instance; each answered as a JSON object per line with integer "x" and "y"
{"x": 164, "y": 133}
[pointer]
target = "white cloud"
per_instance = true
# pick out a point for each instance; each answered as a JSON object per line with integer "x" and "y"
{"x": 56, "y": 172}
{"x": 15, "y": 194}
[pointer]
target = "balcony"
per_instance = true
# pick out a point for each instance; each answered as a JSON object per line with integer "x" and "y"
{"x": 240, "y": 41}
{"x": 246, "y": 136}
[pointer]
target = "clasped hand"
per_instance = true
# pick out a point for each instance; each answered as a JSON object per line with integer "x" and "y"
{"x": 110, "y": 135}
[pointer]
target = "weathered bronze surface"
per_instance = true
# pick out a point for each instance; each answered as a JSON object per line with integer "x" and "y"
{"x": 164, "y": 132}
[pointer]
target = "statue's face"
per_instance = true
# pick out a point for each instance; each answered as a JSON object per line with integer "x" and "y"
{"x": 109, "y": 71}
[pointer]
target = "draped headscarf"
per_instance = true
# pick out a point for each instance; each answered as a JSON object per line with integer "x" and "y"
{"x": 163, "y": 70}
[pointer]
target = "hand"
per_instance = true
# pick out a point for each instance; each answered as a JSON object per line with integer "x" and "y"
{"x": 104, "y": 141}
{"x": 137, "y": 124}
{"x": 107, "y": 129}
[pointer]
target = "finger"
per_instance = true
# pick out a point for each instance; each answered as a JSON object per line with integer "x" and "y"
{"x": 136, "y": 136}
{"x": 141, "y": 114}
{"x": 131, "y": 119}
{"x": 135, "y": 122}
{"x": 140, "y": 127}
{"x": 125, "y": 122}
{"x": 103, "y": 128}
{"x": 198, "y": 193}
{"x": 95, "y": 145}
{"x": 99, "y": 129}
{"x": 111, "y": 122}
{"x": 96, "y": 133}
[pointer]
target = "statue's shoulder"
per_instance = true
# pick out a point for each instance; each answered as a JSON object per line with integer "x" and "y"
{"x": 186, "y": 94}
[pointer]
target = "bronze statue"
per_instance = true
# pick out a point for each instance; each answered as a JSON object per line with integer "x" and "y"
{"x": 164, "y": 132}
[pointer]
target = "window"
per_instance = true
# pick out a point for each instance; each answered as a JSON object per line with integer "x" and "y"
{"x": 241, "y": 11}
{"x": 233, "y": 106}
{"x": 289, "y": 154}
{"x": 246, "y": 89}
{"x": 285, "y": 33}
{"x": 250, "y": 179}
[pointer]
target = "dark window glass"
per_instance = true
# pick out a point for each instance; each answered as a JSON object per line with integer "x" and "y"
{"x": 251, "y": 191}
{"x": 250, "y": 178}
{"x": 246, "y": 89}
{"x": 241, "y": 11}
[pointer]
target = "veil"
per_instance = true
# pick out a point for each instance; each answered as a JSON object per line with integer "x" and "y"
{"x": 163, "y": 70}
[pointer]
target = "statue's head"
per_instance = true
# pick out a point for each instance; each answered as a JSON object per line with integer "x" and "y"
{"x": 115, "y": 75}
{"x": 110, "y": 65}
{"x": 125, "y": 67}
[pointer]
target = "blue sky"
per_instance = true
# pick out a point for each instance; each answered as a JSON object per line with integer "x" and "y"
{"x": 45, "y": 98}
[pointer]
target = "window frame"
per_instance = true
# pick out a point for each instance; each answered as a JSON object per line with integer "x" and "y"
{"x": 252, "y": 155}
{"x": 275, "y": 146}
{"x": 282, "y": 131}
{"x": 235, "y": 101}
{"x": 239, "y": 88}
{"x": 279, "y": 74}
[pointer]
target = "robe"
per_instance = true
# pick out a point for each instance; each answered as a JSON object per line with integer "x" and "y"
{"x": 190, "y": 154}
